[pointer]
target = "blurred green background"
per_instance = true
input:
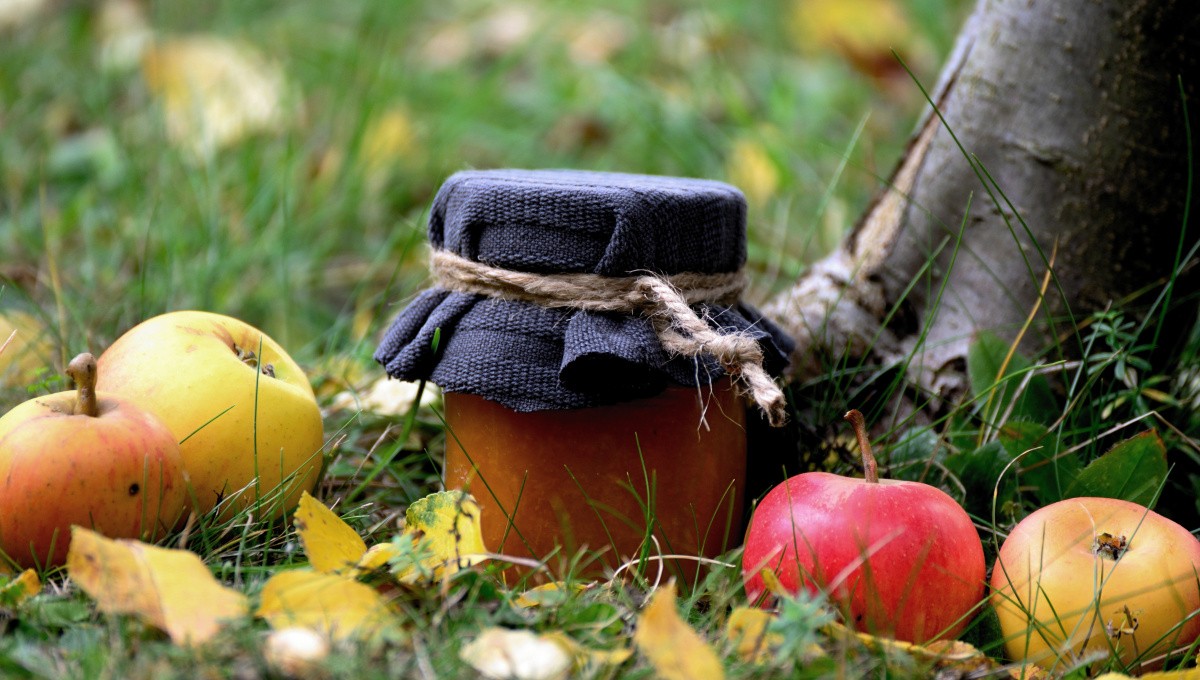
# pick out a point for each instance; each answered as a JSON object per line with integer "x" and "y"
{"x": 274, "y": 160}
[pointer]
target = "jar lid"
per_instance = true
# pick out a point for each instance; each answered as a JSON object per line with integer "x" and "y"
{"x": 529, "y": 356}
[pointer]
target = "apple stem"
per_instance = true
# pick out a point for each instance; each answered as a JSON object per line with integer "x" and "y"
{"x": 82, "y": 370}
{"x": 856, "y": 419}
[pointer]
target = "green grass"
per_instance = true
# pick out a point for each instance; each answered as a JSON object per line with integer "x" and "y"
{"x": 105, "y": 222}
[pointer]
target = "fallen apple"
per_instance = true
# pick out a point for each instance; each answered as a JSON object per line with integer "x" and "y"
{"x": 1097, "y": 575}
{"x": 899, "y": 558}
{"x": 243, "y": 411}
{"x": 86, "y": 458}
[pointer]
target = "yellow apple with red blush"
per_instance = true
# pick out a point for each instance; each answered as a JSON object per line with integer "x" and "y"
{"x": 1095, "y": 578}
{"x": 86, "y": 458}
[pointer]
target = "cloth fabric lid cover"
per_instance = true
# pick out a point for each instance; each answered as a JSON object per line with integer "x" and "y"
{"x": 532, "y": 358}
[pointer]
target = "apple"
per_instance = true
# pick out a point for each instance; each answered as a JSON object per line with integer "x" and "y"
{"x": 900, "y": 559}
{"x": 1098, "y": 575}
{"x": 243, "y": 411}
{"x": 86, "y": 458}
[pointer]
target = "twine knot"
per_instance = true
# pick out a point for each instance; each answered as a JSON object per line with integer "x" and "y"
{"x": 665, "y": 299}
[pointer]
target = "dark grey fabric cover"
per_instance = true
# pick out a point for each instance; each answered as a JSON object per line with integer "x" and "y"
{"x": 532, "y": 358}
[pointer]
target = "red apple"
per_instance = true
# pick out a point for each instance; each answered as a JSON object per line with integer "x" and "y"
{"x": 899, "y": 558}
{"x": 1097, "y": 576}
{"x": 84, "y": 458}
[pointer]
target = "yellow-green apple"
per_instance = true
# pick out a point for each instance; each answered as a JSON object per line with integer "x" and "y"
{"x": 898, "y": 558}
{"x": 243, "y": 411}
{"x": 1098, "y": 575}
{"x": 86, "y": 458}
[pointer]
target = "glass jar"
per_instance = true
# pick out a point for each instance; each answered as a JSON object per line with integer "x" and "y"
{"x": 588, "y": 337}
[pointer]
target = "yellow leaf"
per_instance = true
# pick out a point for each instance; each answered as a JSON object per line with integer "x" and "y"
{"x": 1185, "y": 674}
{"x": 675, "y": 650}
{"x": 747, "y": 630}
{"x": 506, "y": 653}
{"x": 213, "y": 92}
{"x": 588, "y": 660}
{"x": 771, "y": 582}
{"x": 751, "y": 169}
{"x": 446, "y": 525}
{"x": 378, "y": 557}
{"x": 332, "y": 546}
{"x": 389, "y": 138}
{"x": 864, "y": 32}
{"x": 335, "y": 605}
{"x": 547, "y": 593}
{"x": 20, "y": 589}
{"x": 169, "y": 589}
{"x": 953, "y": 656}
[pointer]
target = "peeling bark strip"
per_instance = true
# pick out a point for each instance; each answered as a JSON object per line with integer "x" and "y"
{"x": 1074, "y": 108}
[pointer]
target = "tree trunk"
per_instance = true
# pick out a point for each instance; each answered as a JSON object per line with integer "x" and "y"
{"x": 1076, "y": 109}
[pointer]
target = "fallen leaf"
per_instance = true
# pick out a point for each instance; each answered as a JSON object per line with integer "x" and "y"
{"x": 547, "y": 594}
{"x": 214, "y": 92}
{"x": 863, "y": 32}
{"x": 331, "y": 604}
{"x": 1032, "y": 672}
{"x": 750, "y": 168}
{"x": 1181, "y": 674}
{"x": 169, "y": 589}
{"x": 586, "y": 659}
{"x": 671, "y": 646}
{"x": 332, "y": 546}
{"x": 747, "y": 630}
{"x": 503, "y": 653}
{"x": 20, "y": 589}
{"x": 387, "y": 139}
{"x": 771, "y": 582}
{"x": 446, "y": 525}
{"x": 953, "y": 656}
{"x": 378, "y": 557}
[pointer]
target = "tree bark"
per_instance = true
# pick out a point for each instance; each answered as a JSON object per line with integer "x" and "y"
{"x": 1076, "y": 110}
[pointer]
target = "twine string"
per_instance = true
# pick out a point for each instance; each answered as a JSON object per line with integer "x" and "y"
{"x": 665, "y": 299}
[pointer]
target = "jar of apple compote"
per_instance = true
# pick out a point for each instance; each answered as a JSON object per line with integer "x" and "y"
{"x": 595, "y": 359}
